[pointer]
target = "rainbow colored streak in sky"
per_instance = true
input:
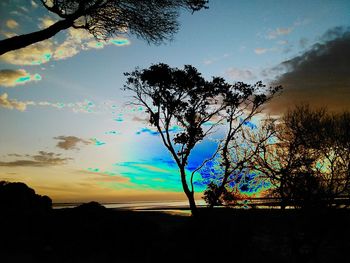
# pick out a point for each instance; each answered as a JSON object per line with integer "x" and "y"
{"x": 158, "y": 171}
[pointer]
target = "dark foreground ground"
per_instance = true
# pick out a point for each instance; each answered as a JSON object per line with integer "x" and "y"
{"x": 220, "y": 235}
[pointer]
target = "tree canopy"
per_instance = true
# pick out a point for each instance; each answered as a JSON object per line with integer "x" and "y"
{"x": 152, "y": 20}
{"x": 183, "y": 98}
{"x": 304, "y": 156}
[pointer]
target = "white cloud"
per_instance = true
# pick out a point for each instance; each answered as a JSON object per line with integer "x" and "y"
{"x": 240, "y": 74}
{"x": 73, "y": 44}
{"x": 85, "y": 106}
{"x": 7, "y": 103}
{"x": 24, "y": 9}
{"x": 260, "y": 51}
{"x": 212, "y": 60}
{"x": 279, "y": 32}
{"x": 208, "y": 62}
{"x": 34, "y": 4}
{"x": 35, "y": 54}
{"x": 282, "y": 42}
{"x": 93, "y": 44}
{"x": 45, "y": 51}
{"x": 46, "y": 21}
{"x": 8, "y": 34}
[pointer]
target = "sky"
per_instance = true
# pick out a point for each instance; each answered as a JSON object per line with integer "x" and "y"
{"x": 67, "y": 129}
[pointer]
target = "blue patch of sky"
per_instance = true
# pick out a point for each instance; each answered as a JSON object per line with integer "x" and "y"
{"x": 155, "y": 133}
{"x": 249, "y": 124}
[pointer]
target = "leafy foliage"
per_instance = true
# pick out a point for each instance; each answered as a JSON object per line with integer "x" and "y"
{"x": 152, "y": 20}
{"x": 309, "y": 161}
{"x": 184, "y": 98}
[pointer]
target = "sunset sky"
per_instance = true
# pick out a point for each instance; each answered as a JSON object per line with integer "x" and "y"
{"x": 66, "y": 128}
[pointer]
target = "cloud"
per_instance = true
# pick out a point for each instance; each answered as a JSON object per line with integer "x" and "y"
{"x": 240, "y": 74}
{"x": 279, "y": 32}
{"x": 282, "y": 42}
{"x": 96, "y": 175}
{"x": 35, "y": 5}
{"x": 35, "y": 54}
{"x": 212, "y": 60}
{"x": 97, "y": 142}
{"x": 8, "y": 34}
{"x": 24, "y": 9}
{"x": 15, "y": 154}
{"x": 42, "y": 52}
{"x": 11, "y": 78}
{"x": 260, "y": 51}
{"x": 320, "y": 76}
{"x": 112, "y": 132}
{"x": 73, "y": 44}
{"x": 208, "y": 61}
{"x": 93, "y": 44}
{"x": 42, "y": 159}
{"x": 83, "y": 107}
{"x": 144, "y": 119}
{"x": 7, "y": 103}
{"x": 78, "y": 40}
{"x": 70, "y": 142}
{"x": 11, "y": 23}
{"x": 46, "y": 21}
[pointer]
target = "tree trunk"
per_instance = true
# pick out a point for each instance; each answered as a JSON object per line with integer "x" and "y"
{"x": 193, "y": 205}
{"x": 226, "y": 164}
{"x": 282, "y": 196}
{"x": 22, "y": 41}
{"x": 189, "y": 194}
{"x": 283, "y": 204}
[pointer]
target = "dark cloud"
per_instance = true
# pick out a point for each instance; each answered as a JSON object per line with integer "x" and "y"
{"x": 69, "y": 142}
{"x": 320, "y": 76}
{"x": 15, "y": 155}
{"x": 41, "y": 159}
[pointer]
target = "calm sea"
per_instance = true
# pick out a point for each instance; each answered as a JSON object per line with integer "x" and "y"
{"x": 172, "y": 207}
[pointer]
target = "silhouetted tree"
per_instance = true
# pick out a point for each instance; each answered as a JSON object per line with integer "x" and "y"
{"x": 213, "y": 198}
{"x": 18, "y": 198}
{"x": 152, "y": 20}
{"x": 334, "y": 161}
{"x": 92, "y": 206}
{"x": 179, "y": 97}
{"x": 183, "y": 97}
{"x": 291, "y": 155}
{"x": 240, "y": 144}
{"x": 308, "y": 162}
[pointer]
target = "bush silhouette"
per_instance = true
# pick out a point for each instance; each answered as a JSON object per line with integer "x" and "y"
{"x": 18, "y": 198}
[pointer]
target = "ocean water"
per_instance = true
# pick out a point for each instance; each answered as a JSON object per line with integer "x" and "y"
{"x": 178, "y": 207}
{"x": 170, "y": 207}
